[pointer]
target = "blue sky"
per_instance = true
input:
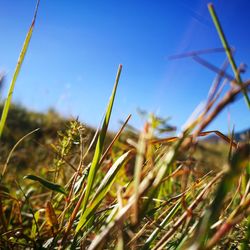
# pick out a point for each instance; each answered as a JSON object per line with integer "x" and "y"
{"x": 77, "y": 46}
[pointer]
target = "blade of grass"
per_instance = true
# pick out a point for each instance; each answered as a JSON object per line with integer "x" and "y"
{"x": 13, "y": 149}
{"x": 227, "y": 50}
{"x": 103, "y": 188}
{"x": 16, "y": 72}
{"x": 99, "y": 147}
{"x": 100, "y": 142}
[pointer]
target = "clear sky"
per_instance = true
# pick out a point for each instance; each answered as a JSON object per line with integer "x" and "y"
{"x": 77, "y": 46}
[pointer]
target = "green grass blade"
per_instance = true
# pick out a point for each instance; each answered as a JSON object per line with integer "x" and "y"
{"x": 103, "y": 189}
{"x": 111, "y": 174}
{"x": 227, "y": 49}
{"x": 50, "y": 185}
{"x": 100, "y": 143}
{"x": 17, "y": 70}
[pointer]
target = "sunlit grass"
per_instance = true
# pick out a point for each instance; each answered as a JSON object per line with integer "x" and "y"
{"x": 136, "y": 190}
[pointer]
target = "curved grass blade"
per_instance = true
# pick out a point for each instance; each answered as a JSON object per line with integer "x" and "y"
{"x": 13, "y": 149}
{"x": 17, "y": 70}
{"x": 100, "y": 144}
{"x": 50, "y": 185}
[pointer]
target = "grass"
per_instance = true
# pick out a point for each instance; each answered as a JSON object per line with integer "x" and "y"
{"x": 16, "y": 72}
{"x": 135, "y": 190}
{"x": 227, "y": 49}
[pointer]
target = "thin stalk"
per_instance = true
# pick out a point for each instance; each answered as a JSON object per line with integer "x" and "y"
{"x": 227, "y": 50}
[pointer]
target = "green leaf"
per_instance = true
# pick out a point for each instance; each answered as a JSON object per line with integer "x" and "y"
{"x": 50, "y": 185}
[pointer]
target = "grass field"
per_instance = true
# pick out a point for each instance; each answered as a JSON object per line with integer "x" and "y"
{"x": 66, "y": 186}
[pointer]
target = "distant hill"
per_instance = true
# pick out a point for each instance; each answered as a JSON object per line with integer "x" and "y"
{"x": 37, "y": 149}
{"x": 243, "y": 135}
